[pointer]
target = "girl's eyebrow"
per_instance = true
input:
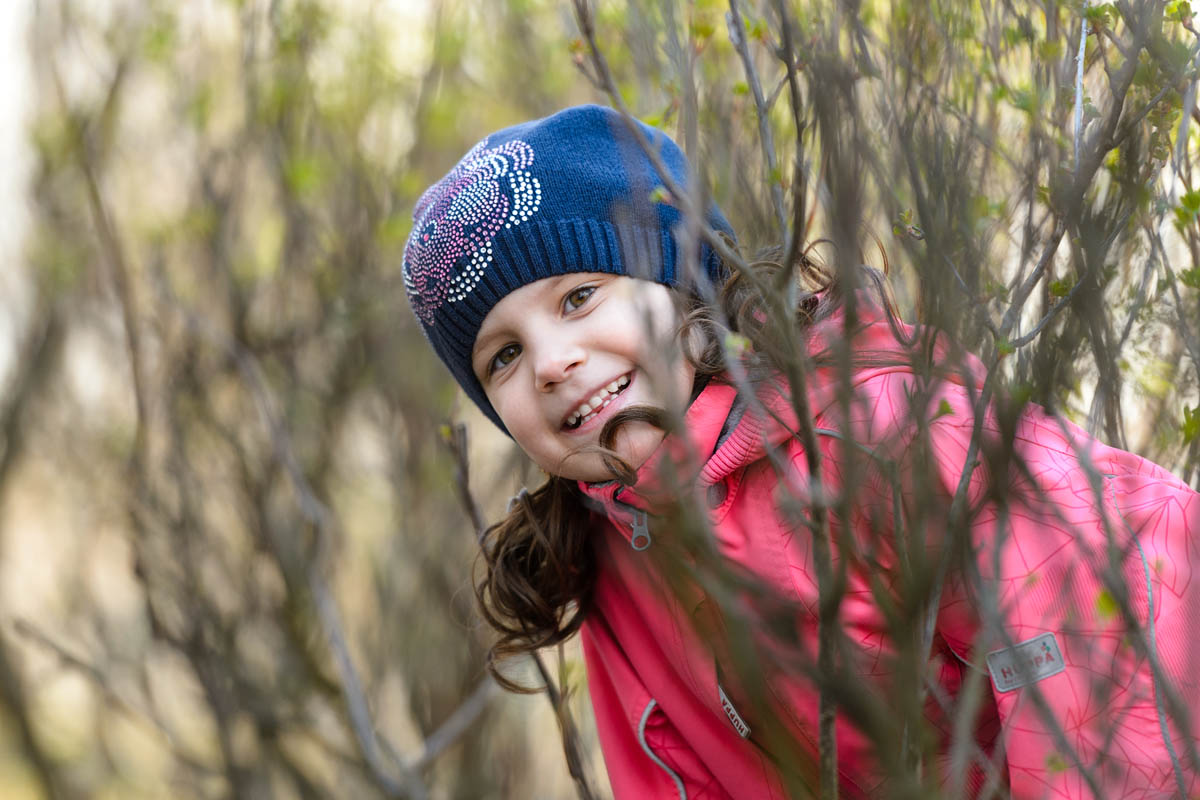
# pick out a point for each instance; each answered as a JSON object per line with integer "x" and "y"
{"x": 483, "y": 346}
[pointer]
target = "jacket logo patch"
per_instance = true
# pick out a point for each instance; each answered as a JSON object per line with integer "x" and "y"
{"x": 1025, "y": 662}
{"x": 739, "y": 724}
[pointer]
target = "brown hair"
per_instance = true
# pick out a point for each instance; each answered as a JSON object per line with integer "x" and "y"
{"x": 539, "y": 565}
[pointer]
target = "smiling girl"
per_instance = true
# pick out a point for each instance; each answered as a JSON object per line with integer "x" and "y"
{"x": 546, "y": 272}
{"x": 559, "y": 357}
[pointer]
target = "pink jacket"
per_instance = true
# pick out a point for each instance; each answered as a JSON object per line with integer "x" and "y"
{"x": 669, "y": 727}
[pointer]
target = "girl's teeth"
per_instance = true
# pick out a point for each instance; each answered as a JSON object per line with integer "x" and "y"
{"x": 596, "y": 402}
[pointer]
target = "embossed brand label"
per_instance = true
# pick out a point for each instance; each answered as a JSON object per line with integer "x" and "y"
{"x": 1025, "y": 662}
{"x": 739, "y": 724}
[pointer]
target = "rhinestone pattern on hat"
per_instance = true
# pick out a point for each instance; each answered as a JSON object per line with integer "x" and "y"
{"x": 489, "y": 190}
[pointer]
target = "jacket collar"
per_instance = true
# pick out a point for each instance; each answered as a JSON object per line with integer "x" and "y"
{"x": 697, "y": 456}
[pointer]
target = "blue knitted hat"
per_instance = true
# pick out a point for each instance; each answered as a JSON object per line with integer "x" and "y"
{"x": 573, "y": 192}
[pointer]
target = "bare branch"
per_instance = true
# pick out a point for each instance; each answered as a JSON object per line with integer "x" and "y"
{"x": 737, "y": 35}
{"x": 456, "y": 724}
{"x": 1083, "y": 28}
{"x": 455, "y": 439}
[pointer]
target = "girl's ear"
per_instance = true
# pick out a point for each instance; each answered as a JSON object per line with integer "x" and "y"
{"x": 695, "y": 331}
{"x": 692, "y": 342}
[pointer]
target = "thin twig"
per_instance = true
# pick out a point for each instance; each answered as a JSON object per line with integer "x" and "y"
{"x": 787, "y": 51}
{"x": 570, "y": 734}
{"x": 455, "y": 438}
{"x": 737, "y": 35}
{"x": 1189, "y": 105}
{"x": 1083, "y": 28}
{"x": 456, "y": 441}
{"x": 458, "y": 723}
{"x": 1012, "y": 315}
{"x": 1131, "y": 123}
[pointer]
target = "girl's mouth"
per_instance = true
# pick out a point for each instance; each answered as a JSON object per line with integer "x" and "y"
{"x": 596, "y": 403}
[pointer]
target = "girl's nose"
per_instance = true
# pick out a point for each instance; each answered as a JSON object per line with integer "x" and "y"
{"x": 555, "y": 361}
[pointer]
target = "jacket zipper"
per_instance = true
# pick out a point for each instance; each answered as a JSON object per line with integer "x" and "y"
{"x": 642, "y": 741}
{"x": 639, "y": 527}
{"x": 641, "y": 530}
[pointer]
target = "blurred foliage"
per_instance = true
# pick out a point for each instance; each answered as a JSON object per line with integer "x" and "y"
{"x": 237, "y": 560}
{"x": 231, "y": 386}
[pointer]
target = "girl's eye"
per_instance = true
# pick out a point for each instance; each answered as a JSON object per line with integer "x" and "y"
{"x": 504, "y": 357}
{"x": 577, "y": 297}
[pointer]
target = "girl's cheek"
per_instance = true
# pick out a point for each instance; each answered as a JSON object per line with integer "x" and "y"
{"x": 659, "y": 335}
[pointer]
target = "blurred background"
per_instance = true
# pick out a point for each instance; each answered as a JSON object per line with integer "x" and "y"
{"x": 236, "y": 544}
{"x": 219, "y": 193}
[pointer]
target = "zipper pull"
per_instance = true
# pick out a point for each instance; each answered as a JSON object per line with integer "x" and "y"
{"x": 641, "y": 530}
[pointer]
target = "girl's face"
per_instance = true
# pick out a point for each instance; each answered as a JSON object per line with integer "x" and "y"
{"x": 558, "y": 357}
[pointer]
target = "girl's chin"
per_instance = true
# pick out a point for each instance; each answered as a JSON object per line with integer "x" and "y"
{"x": 635, "y": 443}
